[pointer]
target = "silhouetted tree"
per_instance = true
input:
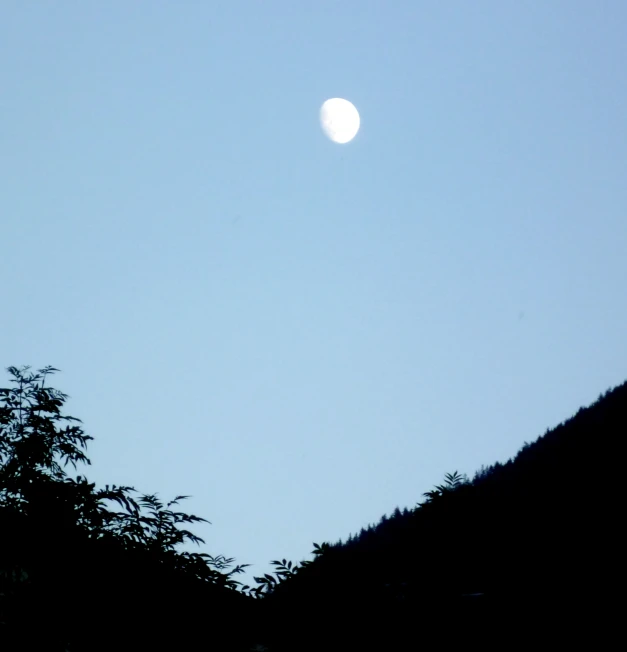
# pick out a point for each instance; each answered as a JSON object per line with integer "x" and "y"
{"x": 66, "y": 557}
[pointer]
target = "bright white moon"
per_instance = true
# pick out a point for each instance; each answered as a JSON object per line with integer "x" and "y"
{"x": 339, "y": 119}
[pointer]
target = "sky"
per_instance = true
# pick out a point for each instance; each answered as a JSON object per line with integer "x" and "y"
{"x": 298, "y": 334}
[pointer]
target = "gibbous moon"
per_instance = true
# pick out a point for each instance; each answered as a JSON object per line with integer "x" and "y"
{"x": 339, "y": 119}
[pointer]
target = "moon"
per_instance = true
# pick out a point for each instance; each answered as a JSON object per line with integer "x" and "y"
{"x": 339, "y": 120}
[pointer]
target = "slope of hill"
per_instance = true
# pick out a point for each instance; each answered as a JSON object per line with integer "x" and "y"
{"x": 527, "y": 548}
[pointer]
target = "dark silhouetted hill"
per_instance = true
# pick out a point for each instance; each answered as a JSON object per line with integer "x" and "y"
{"x": 527, "y": 550}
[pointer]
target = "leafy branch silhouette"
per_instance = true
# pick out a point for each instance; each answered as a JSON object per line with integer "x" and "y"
{"x": 37, "y": 442}
{"x": 452, "y": 482}
{"x": 284, "y": 570}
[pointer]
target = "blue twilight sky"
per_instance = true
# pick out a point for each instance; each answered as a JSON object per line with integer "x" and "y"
{"x": 304, "y": 335}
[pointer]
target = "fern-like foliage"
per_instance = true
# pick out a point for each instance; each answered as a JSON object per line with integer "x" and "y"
{"x": 452, "y": 482}
{"x": 37, "y": 442}
{"x": 284, "y": 570}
